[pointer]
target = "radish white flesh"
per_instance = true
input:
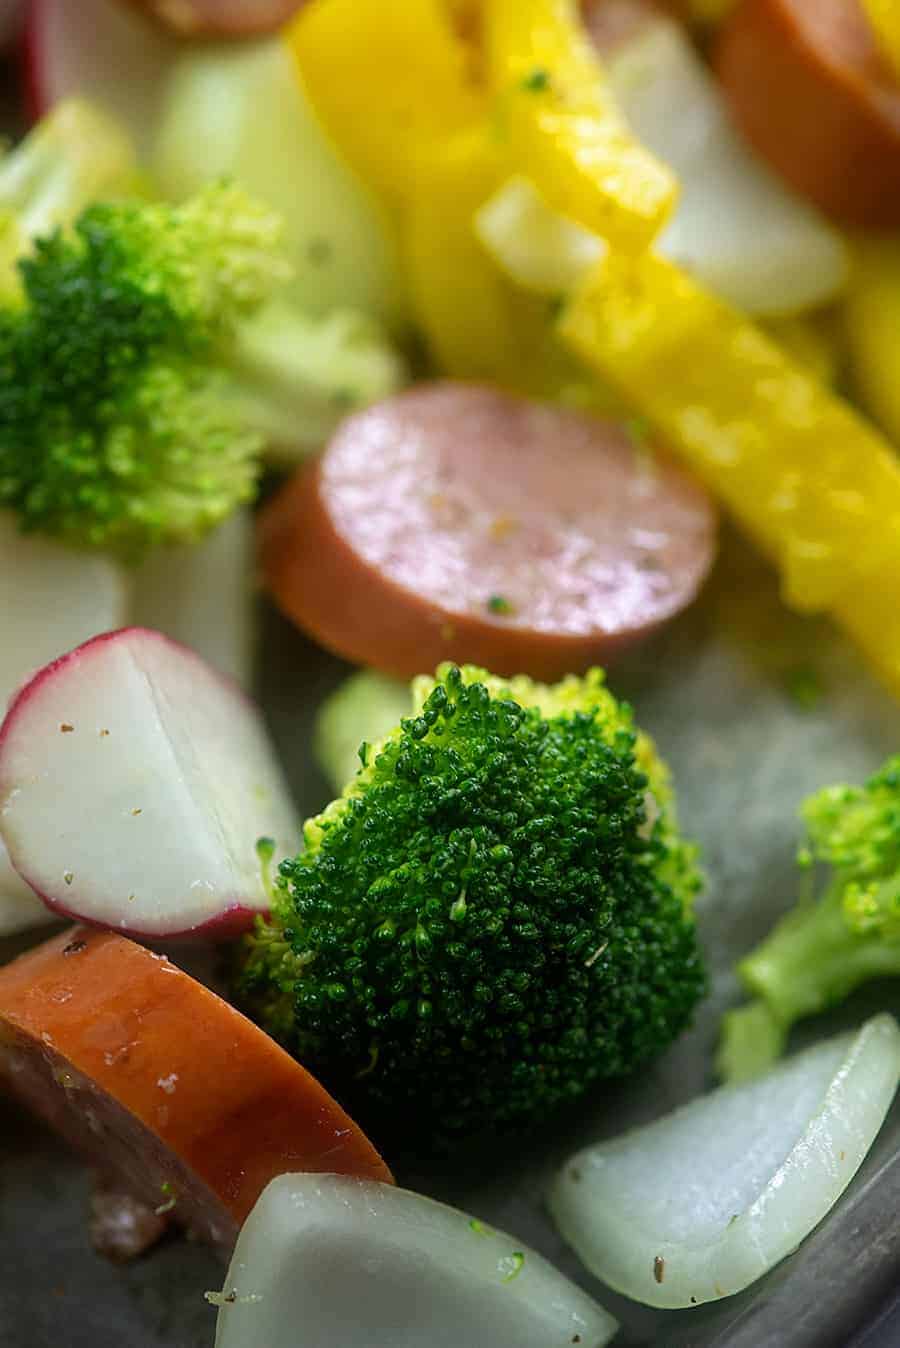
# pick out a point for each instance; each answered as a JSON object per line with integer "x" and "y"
{"x": 735, "y": 227}
{"x": 134, "y": 785}
{"x": 701, "y": 1203}
{"x": 342, "y": 1263}
{"x": 51, "y": 599}
{"x": 202, "y": 596}
{"x": 104, "y": 50}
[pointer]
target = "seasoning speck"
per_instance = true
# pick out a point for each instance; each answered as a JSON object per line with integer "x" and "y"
{"x": 498, "y": 603}
{"x": 74, "y": 947}
{"x": 137, "y": 810}
{"x": 804, "y": 688}
{"x": 68, "y": 876}
{"x": 65, "y": 728}
{"x": 536, "y": 81}
{"x": 511, "y": 1266}
{"x": 448, "y": 632}
{"x": 659, "y": 1268}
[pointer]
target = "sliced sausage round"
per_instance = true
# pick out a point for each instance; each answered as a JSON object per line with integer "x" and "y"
{"x": 220, "y": 18}
{"x": 457, "y": 522}
{"x": 174, "y": 1095}
{"x": 811, "y": 91}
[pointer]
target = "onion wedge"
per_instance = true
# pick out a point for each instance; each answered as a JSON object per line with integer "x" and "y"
{"x": 346, "y": 1263}
{"x": 701, "y": 1203}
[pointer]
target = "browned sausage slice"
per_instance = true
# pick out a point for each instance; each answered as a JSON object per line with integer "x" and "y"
{"x": 812, "y": 93}
{"x": 457, "y": 522}
{"x": 179, "y": 1099}
{"x": 221, "y": 18}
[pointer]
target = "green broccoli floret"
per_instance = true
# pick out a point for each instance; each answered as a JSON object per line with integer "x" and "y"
{"x": 74, "y": 156}
{"x": 826, "y": 946}
{"x": 495, "y": 914}
{"x": 117, "y": 425}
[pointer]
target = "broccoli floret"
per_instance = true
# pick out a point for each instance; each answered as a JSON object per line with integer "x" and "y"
{"x": 74, "y": 156}
{"x": 495, "y": 914}
{"x": 829, "y": 945}
{"x": 117, "y": 426}
{"x": 366, "y": 704}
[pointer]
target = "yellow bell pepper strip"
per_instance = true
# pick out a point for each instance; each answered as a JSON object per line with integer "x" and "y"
{"x": 459, "y": 298}
{"x": 813, "y": 340}
{"x": 476, "y": 323}
{"x": 872, "y": 316}
{"x": 388, "y": 78}
{"x": 563, "y": 128}
{"x": 884, "y": 17}
{"x": 807, "y": 477}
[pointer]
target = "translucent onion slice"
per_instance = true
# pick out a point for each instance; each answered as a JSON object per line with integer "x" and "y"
{"x": 344, "y": 1263}
{"x": 735, "y": 227}
{"x": 701, "y": 1203}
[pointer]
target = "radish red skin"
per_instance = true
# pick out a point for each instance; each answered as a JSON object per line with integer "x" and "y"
{"x": 232, "y": 916}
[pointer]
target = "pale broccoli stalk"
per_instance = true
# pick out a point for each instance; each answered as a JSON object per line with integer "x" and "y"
{"x": 828, "y": 946}
{"x": 294, "y": 376}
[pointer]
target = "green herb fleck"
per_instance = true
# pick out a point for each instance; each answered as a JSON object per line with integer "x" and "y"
{"x": 169, "y": 1199}
{"x": 479, "y": 1228}
{"x": 362, "y": 753}
{"x": 498, "y": 603}
{"x": 804, "y": 687}
{"x": 537, "y": 81}
{"x": 512, "y": 1266}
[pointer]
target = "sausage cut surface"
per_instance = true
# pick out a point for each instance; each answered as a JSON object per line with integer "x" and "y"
{"x": 811, "y": 91}
{"x": 458, "y": 522}
{"x": 175, "y": 1096}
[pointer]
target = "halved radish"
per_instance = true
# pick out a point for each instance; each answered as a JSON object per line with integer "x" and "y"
{"x": 135, "y": 783}
{"x": 102, "y": 50}
{"x": 51, "y": 599}
{"x": 359, "y": 1264}
{"x": 701, "y": 1203}
{"x": 177, "y": 1098}
{"x": 203, "y": 596}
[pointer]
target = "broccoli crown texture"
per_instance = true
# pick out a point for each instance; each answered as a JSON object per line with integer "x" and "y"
{"x": 826, "y": 946}
{"x": 494, "y": 914}
{"x": 116, "y": 427}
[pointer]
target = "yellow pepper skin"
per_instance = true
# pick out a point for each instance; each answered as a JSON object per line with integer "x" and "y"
{"x": 872, "y": 311}
{"x": 884, "y": 16}
{"x": 563, "y": 128}
{"x": 388, "y": 78}
{"x": 459, "y": 297}
{"x": 813, "y": 483}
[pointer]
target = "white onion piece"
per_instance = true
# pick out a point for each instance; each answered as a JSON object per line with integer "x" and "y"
{"x": 736, "y": 228}
{"x": 203, "y": 596}
{"x": 536, "y": 248}
{"x": 701, "y": 1203}
{"x": 341, "y": 1263}
{"x": 240, "y": 108}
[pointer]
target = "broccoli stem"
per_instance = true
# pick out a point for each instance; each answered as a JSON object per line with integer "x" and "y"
{"x": 813, "y": 959}
{"x": 752, "y": 1040}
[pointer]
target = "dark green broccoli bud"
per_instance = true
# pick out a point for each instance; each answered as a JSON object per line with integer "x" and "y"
{"x": 117, "y": 425}
{"x": 826, "y": 946}
{"x": 495, "y": 914}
